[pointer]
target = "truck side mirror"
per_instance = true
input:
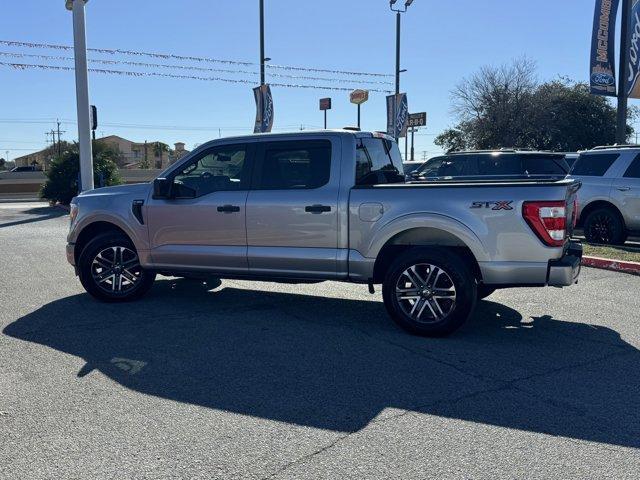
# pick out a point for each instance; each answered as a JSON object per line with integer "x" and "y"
{"x": 162, "y": 187}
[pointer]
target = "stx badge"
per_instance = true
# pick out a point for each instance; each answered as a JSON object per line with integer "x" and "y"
{"x": 499, "y": 205}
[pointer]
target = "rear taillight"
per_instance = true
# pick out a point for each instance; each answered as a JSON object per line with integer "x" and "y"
{"x": 548, "y": 220}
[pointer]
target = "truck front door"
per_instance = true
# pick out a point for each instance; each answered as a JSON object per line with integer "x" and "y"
{"x": 202, "y": 225}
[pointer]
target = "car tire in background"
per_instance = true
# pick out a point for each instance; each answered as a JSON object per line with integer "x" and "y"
{"x": 429, "y": 291}
{"x": 605, "y": 226}
{"x": 109, "y": 269}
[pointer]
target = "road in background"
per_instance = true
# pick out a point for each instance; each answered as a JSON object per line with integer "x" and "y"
{"x": 256, "y": 380}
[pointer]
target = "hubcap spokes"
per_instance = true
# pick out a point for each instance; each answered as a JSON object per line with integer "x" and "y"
{"x": 426, "y": 293}
{"x": 601, "y": 229}
{"x": 116, "y": 269}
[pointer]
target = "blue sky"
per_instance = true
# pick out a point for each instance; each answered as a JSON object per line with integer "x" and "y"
{"x": 442, "y": 42}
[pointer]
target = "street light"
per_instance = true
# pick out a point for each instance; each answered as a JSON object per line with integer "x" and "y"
{"x": 398, "y": 11}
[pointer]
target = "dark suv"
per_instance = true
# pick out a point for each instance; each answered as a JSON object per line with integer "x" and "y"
{"x": 499, "y": 164}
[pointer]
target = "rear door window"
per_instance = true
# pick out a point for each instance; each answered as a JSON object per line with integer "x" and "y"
{"x": 594, "y": 164}
{"x": 501, "y": 164}
{"x": 378, "y": 161}
{"x": 543, "y": 165}
{"x": 295, "y": 165}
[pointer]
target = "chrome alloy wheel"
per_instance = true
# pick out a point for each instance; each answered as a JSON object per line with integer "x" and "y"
{"x": 426, "y": 293}
{"x": 116, "y": 269}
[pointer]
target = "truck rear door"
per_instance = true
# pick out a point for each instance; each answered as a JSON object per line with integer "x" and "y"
{"x": 292, "y": 209}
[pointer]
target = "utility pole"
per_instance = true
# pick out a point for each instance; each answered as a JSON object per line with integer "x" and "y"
{"x": 621, "y": 130}
{"x": 413, "y": 131}
{"x": 82, "y": 93}
{"x": 59, "y": 143}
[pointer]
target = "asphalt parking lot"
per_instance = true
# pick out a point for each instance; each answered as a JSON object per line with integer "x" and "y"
{"x": 256, "y": 380}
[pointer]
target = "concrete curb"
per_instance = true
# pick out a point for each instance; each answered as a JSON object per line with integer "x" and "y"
{"x": 614, "y": 265}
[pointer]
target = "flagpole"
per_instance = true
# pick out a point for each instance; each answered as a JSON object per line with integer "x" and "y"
{"x": 623, "y": 73}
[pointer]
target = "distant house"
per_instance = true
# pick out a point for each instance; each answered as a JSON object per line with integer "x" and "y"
{"x": 131, "y": 154}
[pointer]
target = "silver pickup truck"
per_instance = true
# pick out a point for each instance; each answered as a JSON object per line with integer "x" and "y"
{"x": 328, "y": 205}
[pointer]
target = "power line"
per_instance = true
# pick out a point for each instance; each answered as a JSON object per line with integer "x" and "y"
{"x": 128, "y": 73}
{"x": 189, "y": 67}
{"x": 14, "y": 43}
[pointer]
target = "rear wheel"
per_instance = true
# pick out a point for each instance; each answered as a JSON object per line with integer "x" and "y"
{"x": 604, "y": 225}
{"x": 429, "y": 291}
{"x": 110, "y": 270}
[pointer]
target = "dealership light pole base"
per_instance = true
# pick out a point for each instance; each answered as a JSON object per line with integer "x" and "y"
{"x": 82, "y": 93}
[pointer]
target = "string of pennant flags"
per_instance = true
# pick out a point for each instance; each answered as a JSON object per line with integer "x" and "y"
{"x": 170, "y": 56}
{"x": 128, "y": 73}
{"x": 189, "y": 67}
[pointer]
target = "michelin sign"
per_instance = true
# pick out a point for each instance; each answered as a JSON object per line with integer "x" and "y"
{"x": 603, "y": 75}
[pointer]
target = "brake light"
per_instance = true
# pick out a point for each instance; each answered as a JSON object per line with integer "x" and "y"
{"x": 548, "y": 220}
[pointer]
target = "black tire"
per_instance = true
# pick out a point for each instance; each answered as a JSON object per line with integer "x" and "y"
{"x": 484, "y": 291}
{"x": 429, "y": 324}
{"x": 123, "y": 266}
{"x": 604, "y": 225}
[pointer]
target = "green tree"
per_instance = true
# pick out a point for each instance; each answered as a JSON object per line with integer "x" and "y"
{"x": 3, "y": 164}
{"x": 508, "y": 107}
{"x": 62, "y": 177}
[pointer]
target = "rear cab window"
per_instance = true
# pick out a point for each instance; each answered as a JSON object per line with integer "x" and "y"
{"x": 378, "y": 161}
{"x": 593, "y": 164}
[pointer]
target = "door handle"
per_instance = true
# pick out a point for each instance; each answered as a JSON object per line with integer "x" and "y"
{"x": 317, "y": 208}
{"x": 229, "y": 209}
{"x": 623, "y": 189}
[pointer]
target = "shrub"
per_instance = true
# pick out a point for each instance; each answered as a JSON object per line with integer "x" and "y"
{"x": 62, "y": 177}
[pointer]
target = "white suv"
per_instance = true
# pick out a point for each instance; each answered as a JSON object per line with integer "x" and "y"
{"x": 609, "y": 200}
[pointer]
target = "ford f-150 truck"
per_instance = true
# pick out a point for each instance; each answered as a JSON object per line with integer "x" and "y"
{"x": 328, "y": 205}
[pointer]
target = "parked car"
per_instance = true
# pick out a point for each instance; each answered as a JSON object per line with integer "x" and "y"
{"x": 28, "y": 168}
{"x": 609, "y": 201}
{"x": 474, "y": 165}
{"x": 411, "y": 166}
{"x": 571, "y": 158}
{"x": 329, "y": 205}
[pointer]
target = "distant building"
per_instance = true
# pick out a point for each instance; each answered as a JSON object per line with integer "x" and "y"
{"x": 131, "y": 154}
{"x": 178, "y": 152}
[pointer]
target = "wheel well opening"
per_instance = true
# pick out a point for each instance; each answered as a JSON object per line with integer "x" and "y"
{"x": 423, "y": 238}
{"x": 91, "y": 231}
{"x": 595, "y": 206}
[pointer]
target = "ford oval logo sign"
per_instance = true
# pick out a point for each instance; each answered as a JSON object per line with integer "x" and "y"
{"x": 603, "y": 79}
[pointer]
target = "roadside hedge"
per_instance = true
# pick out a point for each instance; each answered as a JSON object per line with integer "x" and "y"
{"x": 63, "y": 174}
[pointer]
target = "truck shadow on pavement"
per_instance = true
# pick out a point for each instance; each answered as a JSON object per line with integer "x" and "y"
{"x": 39, "y": 214}
{"x": 341, "y": 365}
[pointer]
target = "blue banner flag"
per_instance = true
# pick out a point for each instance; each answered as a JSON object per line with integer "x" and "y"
{"x": 264, "y": 109}
{"x": 397, "y": 115}
{"x": 603, "y": 73}
{"x": 633, "y": 52}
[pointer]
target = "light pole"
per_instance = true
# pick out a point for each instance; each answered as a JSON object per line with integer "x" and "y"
{"x": 263, "y": 59}
{"x": 398, "y": 11}
{"x": 82, "y": 93}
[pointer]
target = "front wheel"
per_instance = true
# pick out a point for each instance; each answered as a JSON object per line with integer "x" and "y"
{"x": 429, "y": 292}
{"x": 110, "y": 270}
